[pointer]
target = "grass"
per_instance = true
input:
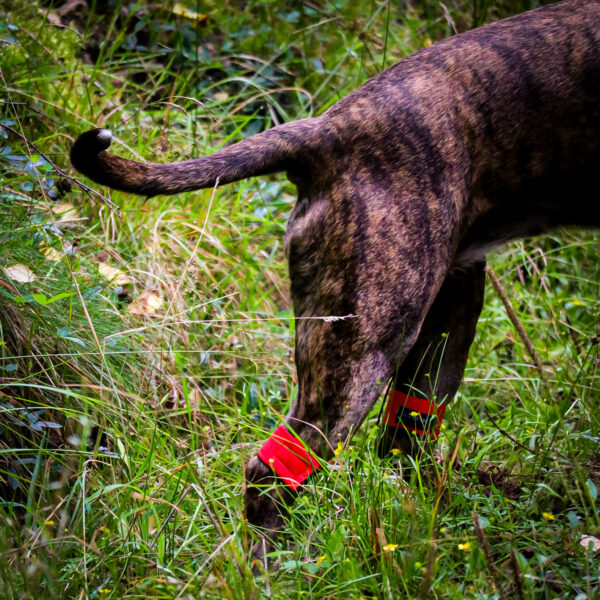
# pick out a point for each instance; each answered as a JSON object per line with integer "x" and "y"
{"x": 152, "y": 352}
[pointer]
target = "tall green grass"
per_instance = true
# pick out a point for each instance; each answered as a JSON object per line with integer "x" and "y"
{"x": 124, "y": 431}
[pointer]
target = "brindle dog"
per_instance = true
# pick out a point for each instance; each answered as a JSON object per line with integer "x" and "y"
{"x": 403, "y": 186}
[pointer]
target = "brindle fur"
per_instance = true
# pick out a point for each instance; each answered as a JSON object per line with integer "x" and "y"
{"x": 402, "y": 188}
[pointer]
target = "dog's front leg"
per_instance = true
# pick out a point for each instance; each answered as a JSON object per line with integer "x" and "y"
{"x": 336, "y": 391}
{"x": 330, "y": 406}
{"x": 360, "y": 297}
{"x": 430, "y": 375}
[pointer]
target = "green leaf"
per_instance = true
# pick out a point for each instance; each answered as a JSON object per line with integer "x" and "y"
{"x": 44, "y": 300}
{"x": 40, "y": 299}
{"x": 484, "y": 522}
{"x": 65, "y": 334}
{"x": 592, "y": 490}
{"x": 60, "y": 297}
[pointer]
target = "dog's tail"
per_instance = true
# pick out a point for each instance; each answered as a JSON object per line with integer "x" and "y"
{"x": 276, "y": 149}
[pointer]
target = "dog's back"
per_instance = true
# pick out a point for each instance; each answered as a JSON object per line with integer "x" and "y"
{"x": 499, "y": 103}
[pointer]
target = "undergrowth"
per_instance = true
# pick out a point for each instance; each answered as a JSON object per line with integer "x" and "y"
{"x": 146, "y": 346}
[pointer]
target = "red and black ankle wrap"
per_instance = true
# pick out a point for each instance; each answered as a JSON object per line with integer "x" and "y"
{"x": 418, "y": 415}
{"x": 291, "y": 460}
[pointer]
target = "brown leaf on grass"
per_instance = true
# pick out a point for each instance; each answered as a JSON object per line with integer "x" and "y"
{"x": 70, "y": 6}
{"x": 20, "y": 274}
{"x": 147, "y": 303}
{"x": 194, "y": 398}
{"x": 586, "y": 540}
{"x": 115, "y": 276}
{"x": 145, "y": 498}
{"x": 51, "y": 254}
{"x": 182, "y": 11}
{"x": 64, "y": 212}
{"x": 499, "y": 477}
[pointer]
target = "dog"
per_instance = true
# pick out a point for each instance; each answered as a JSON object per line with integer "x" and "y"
{"x": 403, "y": 187}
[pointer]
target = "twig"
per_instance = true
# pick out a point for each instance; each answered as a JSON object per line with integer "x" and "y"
{"x": 62, "y": 173}
{"x": 504, "y": 432}
{"x": 218, "y": 526}
{"x": 28, "y": 106}
{"x": 204, "y": 564}
{"x": 488, "y": 556}
{"x": 174, "y": 508}
{"x": 514, "y": 563}
{"x": 514, "y": 319}
{"x": 428, "y": 575}
{"x": 167, "y": 113}
{"x": 515, "y": 441}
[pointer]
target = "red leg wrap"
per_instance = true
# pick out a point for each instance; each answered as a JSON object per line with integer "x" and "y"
{"x": 418, "y": 415}
{"x": 288, "y": 457}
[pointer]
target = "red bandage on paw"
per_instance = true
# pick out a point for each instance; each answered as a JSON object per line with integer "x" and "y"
{"x": 418, "y": 415}
{"x": 288, "y": 457}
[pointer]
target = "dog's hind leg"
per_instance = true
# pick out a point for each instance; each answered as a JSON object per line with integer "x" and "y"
{"x": 430, "y": 375}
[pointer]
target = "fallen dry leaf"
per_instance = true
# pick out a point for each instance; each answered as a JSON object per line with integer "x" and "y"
{"x": 146, "y": 303}
{"x": 182, "y": 11}
{"x": 65, "y": 212}
{"x": 20, "y": 274}
{"x": 586, "y": 540}
{"x": 115, "y": 276}
{"x": 194, "y": 398}
{"x": 50, "y": 253}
